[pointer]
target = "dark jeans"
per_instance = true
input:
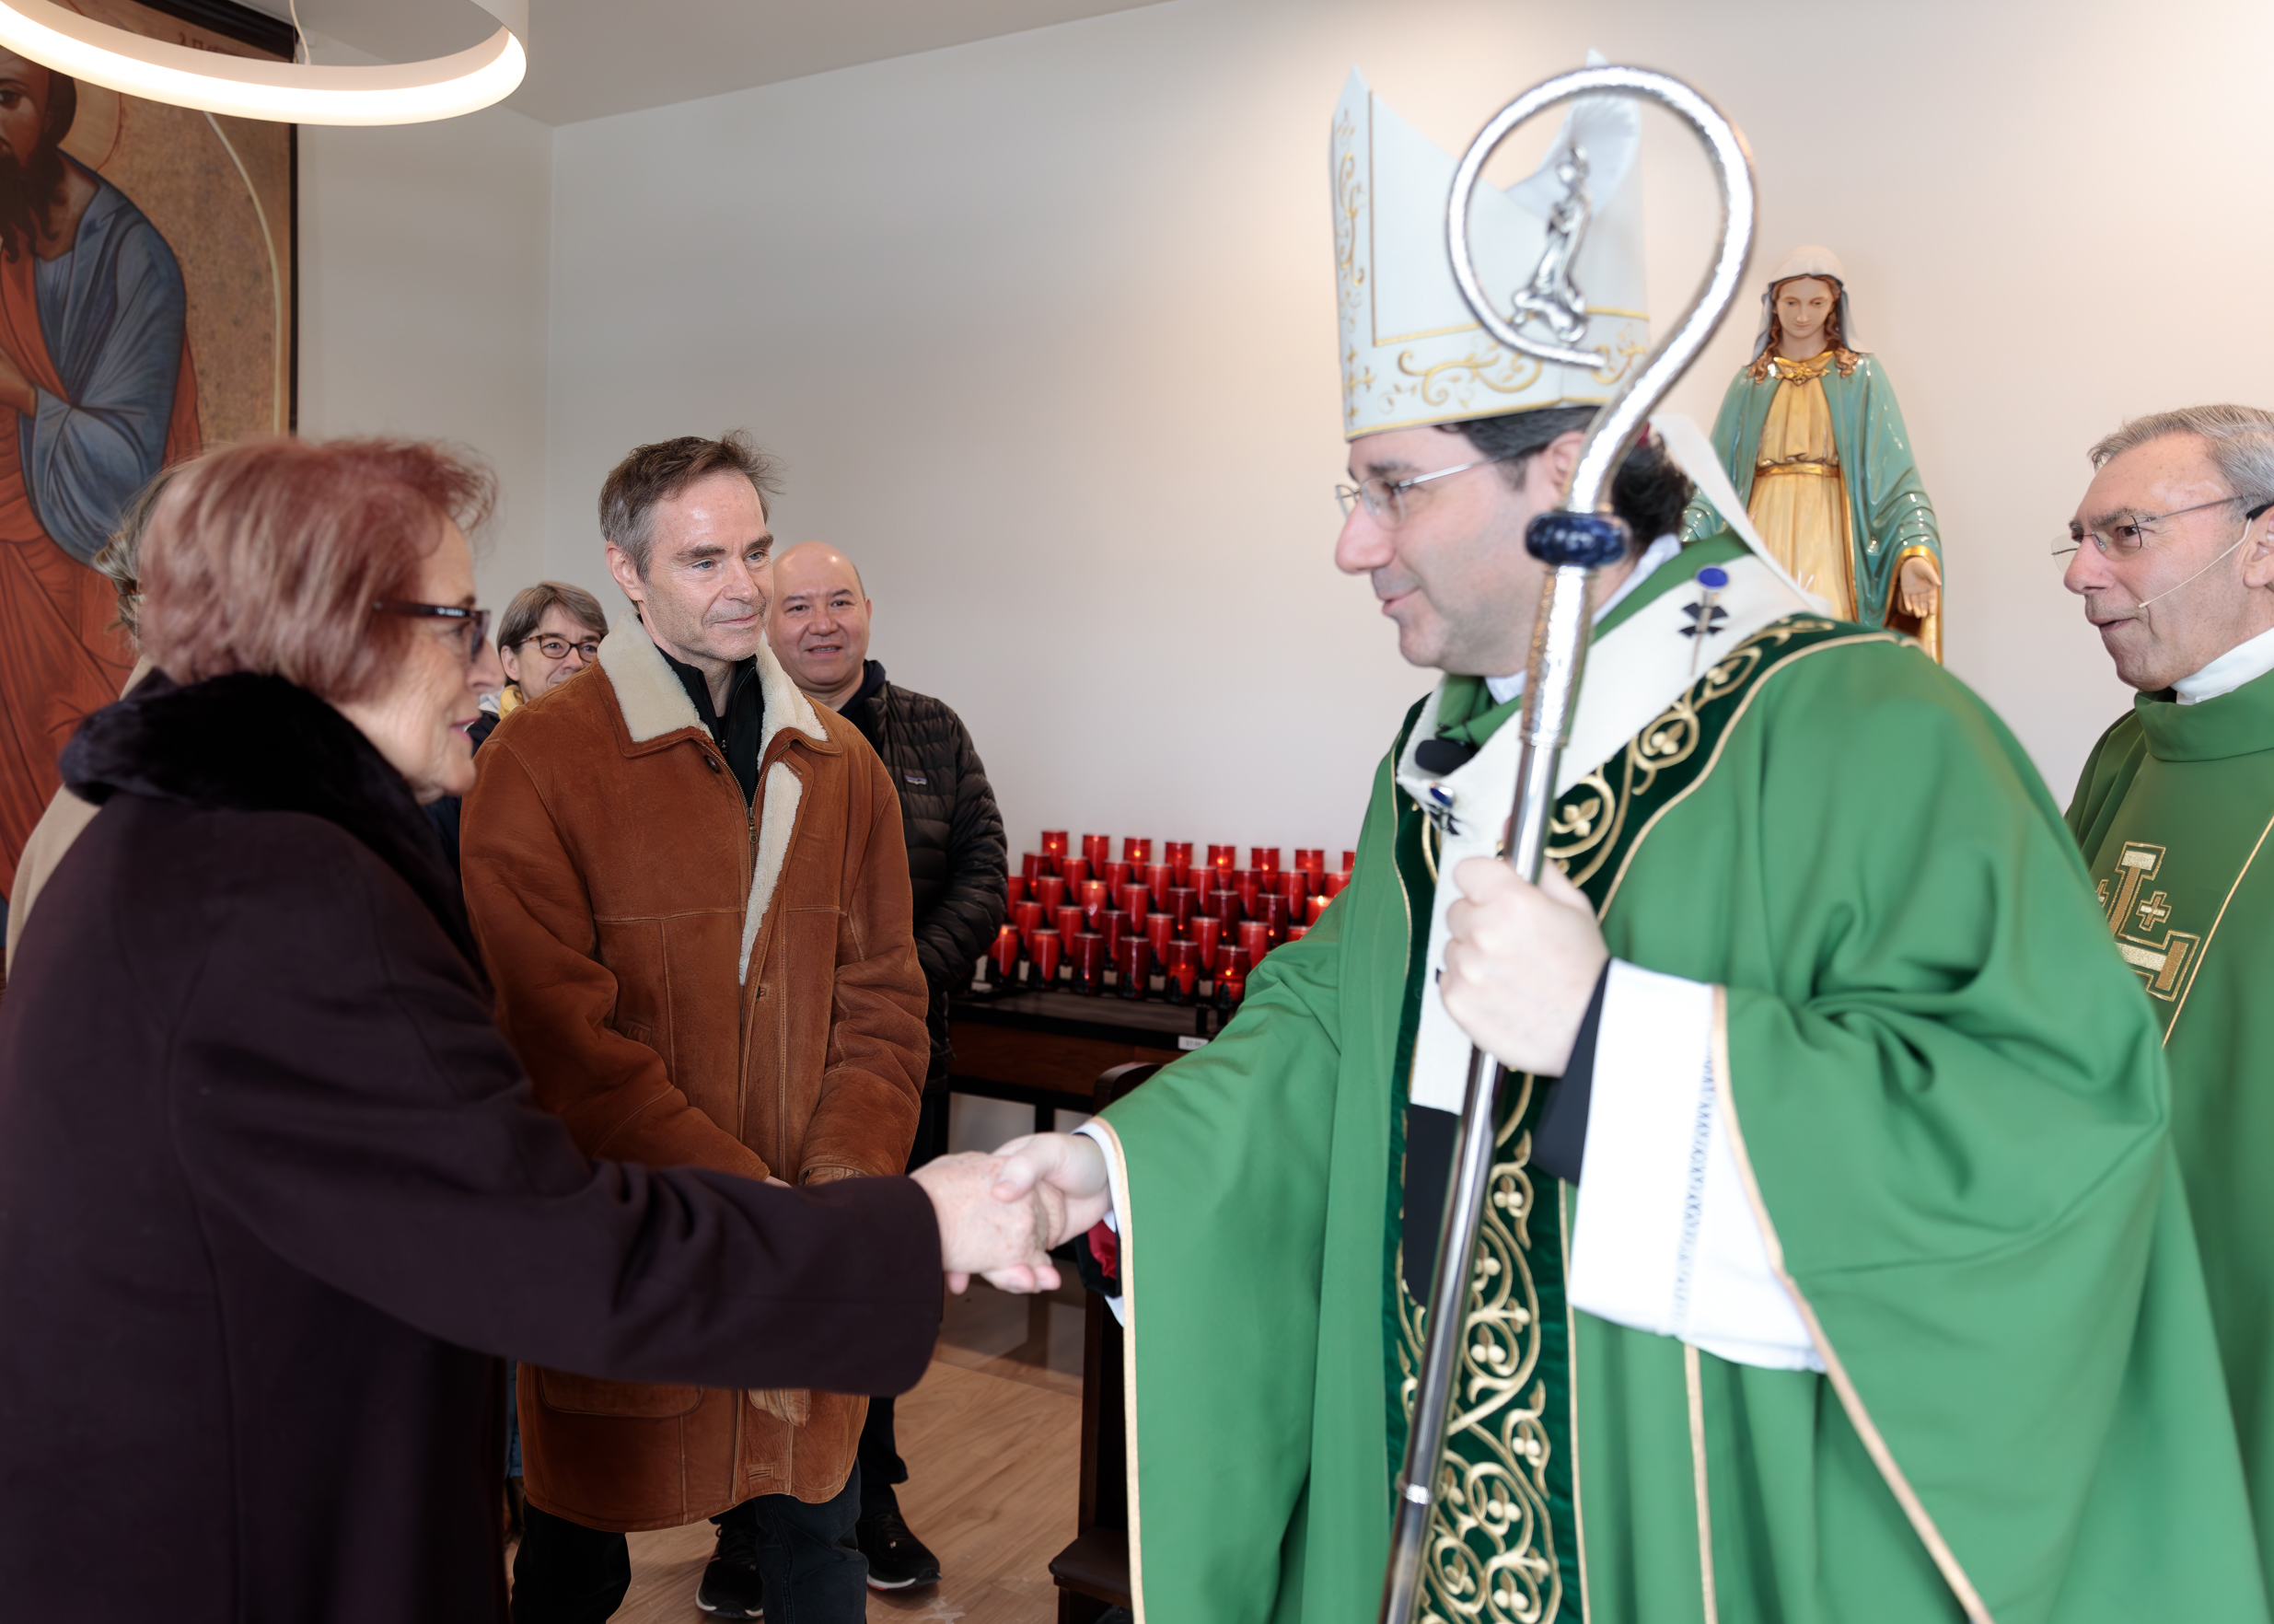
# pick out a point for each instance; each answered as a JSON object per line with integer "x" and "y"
{"x": 881, "y": 1466}
{"x": 567, "y": 1573}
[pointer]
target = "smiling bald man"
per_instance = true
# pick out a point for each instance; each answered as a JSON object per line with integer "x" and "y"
{"x": 817, "y": 626}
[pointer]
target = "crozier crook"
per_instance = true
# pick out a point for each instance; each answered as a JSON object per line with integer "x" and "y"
{"x": 1572, "y": 542}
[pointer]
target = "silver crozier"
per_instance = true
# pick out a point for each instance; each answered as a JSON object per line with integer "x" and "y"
{"x": 1573, "y": 542}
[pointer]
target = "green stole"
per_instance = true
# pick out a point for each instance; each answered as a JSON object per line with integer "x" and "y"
{"x": 2173, "y": 813}
{"x": 1503, "y": 1533}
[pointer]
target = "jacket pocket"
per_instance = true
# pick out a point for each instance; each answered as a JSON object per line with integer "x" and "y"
{"x": 636, "y": 954}
{"x": 581, "y": 1395}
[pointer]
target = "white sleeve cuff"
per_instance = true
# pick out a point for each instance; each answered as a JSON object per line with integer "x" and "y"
{"x": 1666, "y": 1240}
{"x": 1091, "y": 1131}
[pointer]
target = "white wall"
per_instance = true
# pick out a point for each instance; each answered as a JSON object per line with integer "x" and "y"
{"x": 1045, "y": 329}
{"x": 423, "y": 264}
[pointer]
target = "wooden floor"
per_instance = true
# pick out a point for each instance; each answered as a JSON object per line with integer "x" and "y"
{"x": 989, "y": 1438}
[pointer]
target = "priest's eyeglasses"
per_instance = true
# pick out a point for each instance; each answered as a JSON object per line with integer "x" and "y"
{"x": 2127, "y": 534}
{"x": 473, "y": 624}
{"x": 1386, "y": 499}
{"x": 557, "y": 648}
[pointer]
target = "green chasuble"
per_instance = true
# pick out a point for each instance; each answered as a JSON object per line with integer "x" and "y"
{"x": 1949, "y": 1103}
{"x": 2173, "y": 813}
{"x": 1889, "y": 516}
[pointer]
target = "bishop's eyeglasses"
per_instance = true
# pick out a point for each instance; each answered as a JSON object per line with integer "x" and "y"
{"x": 1386, "y": 499}
{"x": 2126, "y": 535}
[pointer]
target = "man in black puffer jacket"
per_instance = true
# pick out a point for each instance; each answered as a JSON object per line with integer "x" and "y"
{"x": 817, "y": 626}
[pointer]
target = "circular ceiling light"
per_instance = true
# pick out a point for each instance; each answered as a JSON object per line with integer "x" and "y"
{"x": 251, "y": 88}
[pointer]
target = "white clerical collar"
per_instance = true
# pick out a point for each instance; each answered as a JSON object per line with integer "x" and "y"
{"x": 1503, "y": 689}
{"x": 2241, "y": 663}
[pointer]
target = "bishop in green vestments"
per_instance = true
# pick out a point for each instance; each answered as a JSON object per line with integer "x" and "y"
{"x": 2174, "y": 564}
{"x": 1843, "y": 1274}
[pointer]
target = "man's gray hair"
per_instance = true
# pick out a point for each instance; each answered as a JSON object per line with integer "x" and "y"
{"x": 658, "y": 472}
{"x": 2238, "y": 439}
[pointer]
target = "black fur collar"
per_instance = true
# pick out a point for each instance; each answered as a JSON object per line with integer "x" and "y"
{"x": 259, "y": 744}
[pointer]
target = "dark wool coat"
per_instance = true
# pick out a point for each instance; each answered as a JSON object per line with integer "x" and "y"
{"x": 273, "y": 1196}
{"x": 957, "y": 858}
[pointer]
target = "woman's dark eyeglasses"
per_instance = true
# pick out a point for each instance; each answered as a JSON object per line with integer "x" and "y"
{"x": 473, "y": 624}
{"x": 557, "y": 648}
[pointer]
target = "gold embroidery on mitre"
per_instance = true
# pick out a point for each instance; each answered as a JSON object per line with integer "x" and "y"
{"x": 2164, "y": 958}
{"x": 1490, "y": 1555}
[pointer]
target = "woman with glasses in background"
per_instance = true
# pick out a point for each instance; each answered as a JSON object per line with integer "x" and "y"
{"x": 549, "y": 633}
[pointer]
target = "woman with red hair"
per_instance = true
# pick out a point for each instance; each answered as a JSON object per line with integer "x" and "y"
{"x": 272, "y": 1192}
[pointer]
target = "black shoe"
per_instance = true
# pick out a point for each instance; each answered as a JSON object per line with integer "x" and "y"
{"x": 896, "y": 1559}
{"x": 731, "y": 1586}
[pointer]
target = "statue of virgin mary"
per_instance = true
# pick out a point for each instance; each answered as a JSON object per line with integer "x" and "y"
{"x": 1814, "y": 441}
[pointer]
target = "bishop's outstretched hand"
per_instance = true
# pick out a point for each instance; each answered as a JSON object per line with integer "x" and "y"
{"x": 1065, "y": 1170}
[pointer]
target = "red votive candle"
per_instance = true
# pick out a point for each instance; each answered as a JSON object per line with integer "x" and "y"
{"x": 1028, "y": 916}
{"x": 1294, "y": 884}
{"x": 1180, "y": 972}
{"x": 1183, "y": 903}
{"x": 1179, "y": 856}
{"x": 1097, "y": 848}
{"x": 1205, "y": 932}
{"x": 1350, "y": 861}
{"x": 1157, "y": 878}
{"x": 1263, "y": 857}
{"x": 1136, "y": 901}
{"x": 1223, "y": 859}
{"x": 1313, "y": 907}
{"x": 1055, "y": 845}
{"x": 1029, "y": 866}
{"x": 1043, "y": 948}
{"x": 1075, "y": 872}
{"x": 1255, "y": 939}
{"x": 1274, "y": 918}
{"x": 1160, "y": 928}
{"x": 1132, "y": 966}
{"x": 1232, "y": 966}
{"x": 1004, "y": 952}
{"x": 1250, "y": 886}
{"x": 1116, "y": 876}
{"x": 1088, "y": 955}
{"x": 1114, "y": 924}
{"x": 1335, "y": 882}
{"x": 1050, "y": 891}
{"x": 1136, "y": 850}
{"x": 1094, "y": 901}
{"x": 1311, "y": 859}
{"x": 1218, "y": 905}
{"x": 1013, "y": 891}
{"x": 1069, "y": 921}
{"x": 1296, "y": 933}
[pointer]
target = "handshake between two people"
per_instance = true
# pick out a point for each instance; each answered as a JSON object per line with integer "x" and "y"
{"x": 1001, "y": 1214}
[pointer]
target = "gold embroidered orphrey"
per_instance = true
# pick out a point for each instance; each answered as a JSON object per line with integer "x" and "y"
{"x": 2164, "y": 959}
{"x": 1491, "y": 1556}
{"x": 1584, "y": 832}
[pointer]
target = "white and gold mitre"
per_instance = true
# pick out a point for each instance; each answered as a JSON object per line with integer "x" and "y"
{"x": 1411, "y": 350}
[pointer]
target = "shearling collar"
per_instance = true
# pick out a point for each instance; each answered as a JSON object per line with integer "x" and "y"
{"x": 655, "y": 706}
{"x": 248, "y": 743}
{"x": 653, "y": 703}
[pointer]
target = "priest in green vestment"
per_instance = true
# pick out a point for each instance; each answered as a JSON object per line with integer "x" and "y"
{"x": 1836, "y": 1267}
{"x": 2172, "y": 554}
